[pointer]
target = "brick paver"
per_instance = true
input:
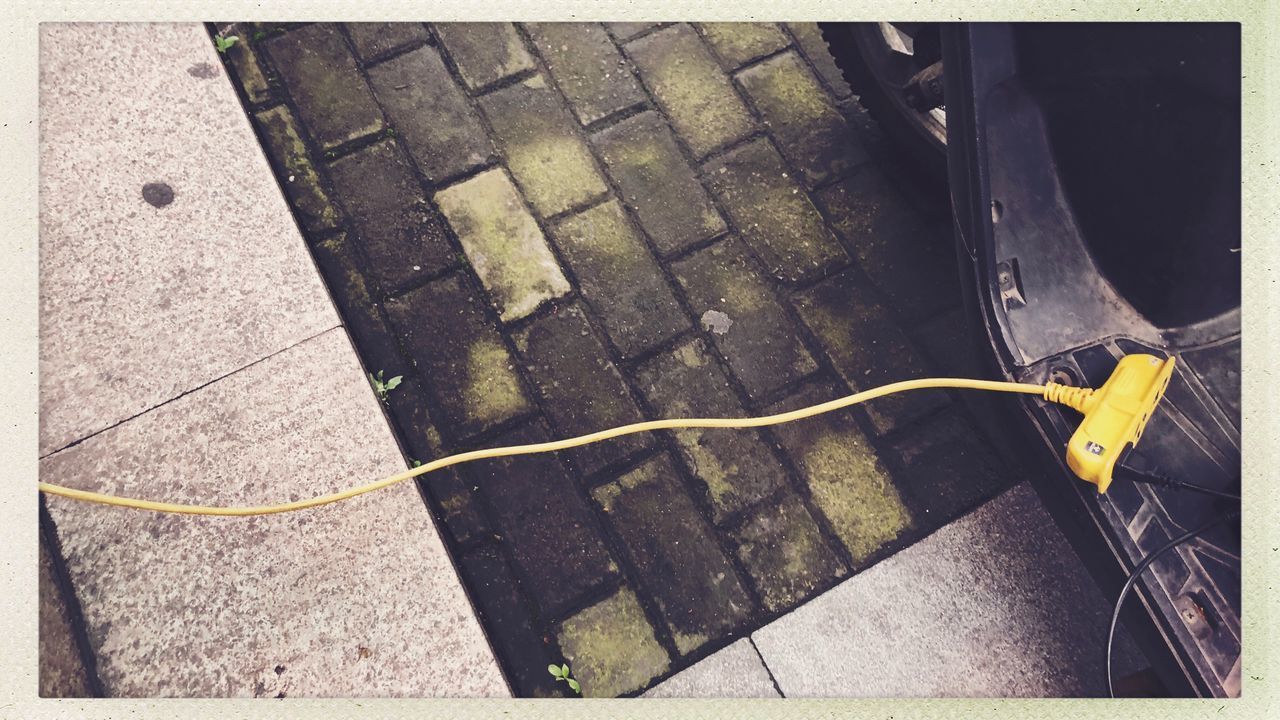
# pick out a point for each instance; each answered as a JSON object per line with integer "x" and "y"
{"x": 449, "y": 140}
{"x": 583, "y": 391}
{"x": 620, "y": 278}
{"x": 738, "y": 43}
{"x": 611, "y": 647}
{"x": 737, "y": 468}
{"x": 693, "y": 91}
{"x": 693, "y": 583}
{"x": 503, "y": 243}
{"x": 543, "y": 150}
{"x": 642, "y": 158}
{"x": 810, "y": 130}
{"x": 849, "y": 483}
{"x": 760, "y": 342}
{"x": 333, "y": 100}
{"x": 403, "y": 237}
{"x": 554, "y": 228}
{"x": 301, "y": 181}
{"x": 376, "y": 39}
{"x": 772, "y": 212}
{"x": 462, "y": 356}
{"x": 587, "y": 67}
{"x": 484, "y": 52}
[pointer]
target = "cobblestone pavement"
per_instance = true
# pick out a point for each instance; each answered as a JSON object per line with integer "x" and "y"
{"x": 550, "y": 229}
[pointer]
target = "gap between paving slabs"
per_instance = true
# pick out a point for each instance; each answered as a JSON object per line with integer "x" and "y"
{"x": 387, "y": 196}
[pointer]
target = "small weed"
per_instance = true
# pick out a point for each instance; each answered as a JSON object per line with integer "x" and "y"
{"x": 414, "y": 462}
{"x": 223, "y": 44}
{"x": 561, "y": 672}
{"x": 383, "y": 387}
{"x": 259, "y": 35}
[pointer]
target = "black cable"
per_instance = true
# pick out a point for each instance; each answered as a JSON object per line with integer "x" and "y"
{"x": 1133, "y": 579}
{"x": 1136, "y": 466}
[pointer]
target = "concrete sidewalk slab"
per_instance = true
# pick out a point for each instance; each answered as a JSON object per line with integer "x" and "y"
{"x": 992, "y": 605}
{"x": 140, "y": 302}
{"x": 734, "y": 672}
{"x": 353, "y": 599}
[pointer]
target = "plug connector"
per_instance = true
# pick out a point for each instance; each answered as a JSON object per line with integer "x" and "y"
{"x": 1114, "y": 415}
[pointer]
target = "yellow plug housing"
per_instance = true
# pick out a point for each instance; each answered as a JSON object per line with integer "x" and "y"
{"x": 1114, "y": 415}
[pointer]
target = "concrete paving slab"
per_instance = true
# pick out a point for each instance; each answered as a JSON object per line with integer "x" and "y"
{"x": 143, "y": 299}
{"x": 734, "y": 672}
{"x": 993, "y": 605}
{"x": 353, "y": 599}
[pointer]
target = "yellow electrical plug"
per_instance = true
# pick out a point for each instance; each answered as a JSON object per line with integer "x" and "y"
{"x": 1114, "y": 415}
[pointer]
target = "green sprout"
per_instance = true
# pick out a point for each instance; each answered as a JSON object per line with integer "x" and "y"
{"x": 383, "y": 387}
{"x": 561, "y": 672}
{"x": 223, "y": 44}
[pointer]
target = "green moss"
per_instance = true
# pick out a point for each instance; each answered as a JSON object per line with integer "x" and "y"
{"x": 694, "y": 90}
{"x": 611, "y": 647}
{"x": 854, "y": 491}
{"x": 492, "y": 391}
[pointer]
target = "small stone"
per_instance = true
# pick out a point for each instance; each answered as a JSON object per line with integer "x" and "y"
{"x": 716, "y": 321}
{"x": 691, "y": 88}
{"x": 157, "y": 194}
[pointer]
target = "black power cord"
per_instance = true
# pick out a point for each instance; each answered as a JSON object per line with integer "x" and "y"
{"x": 1137, "y": 467}
{"x": 1137, "y": 571}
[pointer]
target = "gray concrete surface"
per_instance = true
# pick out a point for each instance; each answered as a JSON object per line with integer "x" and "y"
{"x": 141, "y": 303}
{"x": 189, "y": 352}
{"x": 734, "y": 672}
{"x": 993, "y": 605}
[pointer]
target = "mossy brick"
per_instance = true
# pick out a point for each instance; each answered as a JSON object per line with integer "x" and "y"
{"x": 785, "y": 554}
{"x": 803, "y": 119}
{"x": 610, "y": 647}
{"x": 587, "y": 67}
{"x": 546, "y": 523}
{"x": 373, "y": 39}
{"x": 736, "y": 466}
{"x": 738, "y": 43}
{"x": 342, "y": 268}
{"x": 948, "y": 469}
{"x": 692, "y": 89}
{"x": 460, "y": 354}
{"x": 624, "y": 31}
{"x": 912, "y": 261}
{"x": 431, "y": 114}
{"x": 546, "y": 156}
{"x": 809, "y": 38}
{"x": 654, "y": 179}
{"x": 773, "y": 213}
{"x": 248, "y": 69}
{"x": 846, "y": 478}
{"x": 619, "y": 278}
{"x": 521, "y": 648}
{"x": 675, "y": 554}
{"x": 484, "y": 52}
{"x": 332, "y": 98}
{"x": 503, "y": 242}
{"x": 867, "y": 348}
{"x": 457, "y": 498}
{"x": 297, "y": 175}
{"x": 583, "y": 391}
{"x": 403, "y": 237}
{"x": 760, "y": 342}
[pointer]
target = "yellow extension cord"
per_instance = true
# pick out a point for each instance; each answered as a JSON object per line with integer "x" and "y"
{"x": 1051, "y": 391}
